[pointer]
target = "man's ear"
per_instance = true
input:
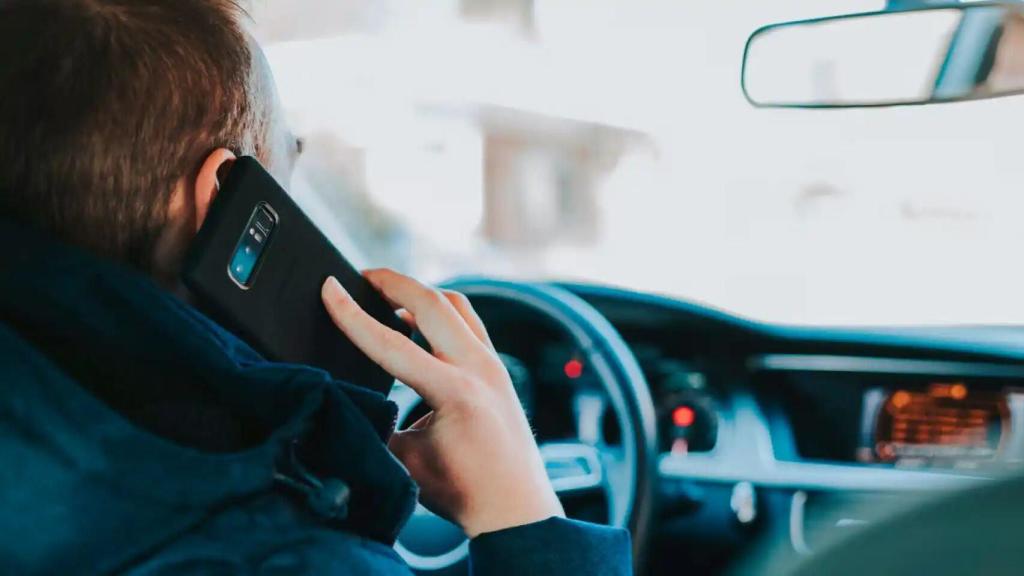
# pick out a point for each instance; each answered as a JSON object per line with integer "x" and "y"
{"x": 214, "y": 168}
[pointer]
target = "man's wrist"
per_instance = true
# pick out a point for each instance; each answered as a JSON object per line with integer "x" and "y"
{"x": 512, "y": 515}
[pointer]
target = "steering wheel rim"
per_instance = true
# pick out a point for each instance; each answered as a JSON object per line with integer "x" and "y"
{"x": 619, "y": 373}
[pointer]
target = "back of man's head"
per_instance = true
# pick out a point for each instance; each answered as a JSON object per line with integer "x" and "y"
{"x": 108, "y": 106}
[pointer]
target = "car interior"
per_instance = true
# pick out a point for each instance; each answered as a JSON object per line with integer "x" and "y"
{"x": 879, "y": 434}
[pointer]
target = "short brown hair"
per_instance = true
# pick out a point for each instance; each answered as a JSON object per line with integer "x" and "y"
{"x": 106, "y": 105}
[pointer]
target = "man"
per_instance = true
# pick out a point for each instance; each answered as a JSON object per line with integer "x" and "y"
{"x": 136, "y": 435}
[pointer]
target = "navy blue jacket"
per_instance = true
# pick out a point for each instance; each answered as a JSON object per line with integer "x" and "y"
{"x": 136, "y": 436}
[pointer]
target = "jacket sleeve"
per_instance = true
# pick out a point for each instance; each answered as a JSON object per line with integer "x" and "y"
{"x": 553, "y": 546}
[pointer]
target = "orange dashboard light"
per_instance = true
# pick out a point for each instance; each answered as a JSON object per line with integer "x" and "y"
{"x": 683, "y": 416}
{"x": 900, "y": 399}
{"x": 958, "y": 392}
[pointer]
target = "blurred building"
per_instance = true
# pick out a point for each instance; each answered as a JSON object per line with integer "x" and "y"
{"x": 542, "y": 175}
{"x": 419, "y": 124}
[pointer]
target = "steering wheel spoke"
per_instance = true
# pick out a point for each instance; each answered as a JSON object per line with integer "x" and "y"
{"x": 573, "y": 467}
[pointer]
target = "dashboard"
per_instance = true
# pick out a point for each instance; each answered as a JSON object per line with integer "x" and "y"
{"x": 800, "y": 433}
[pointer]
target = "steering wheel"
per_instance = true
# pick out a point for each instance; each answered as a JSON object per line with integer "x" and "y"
{"x": 624, "y": 473}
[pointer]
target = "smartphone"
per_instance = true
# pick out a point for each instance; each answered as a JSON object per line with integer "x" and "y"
{"x": 257, "y": 266}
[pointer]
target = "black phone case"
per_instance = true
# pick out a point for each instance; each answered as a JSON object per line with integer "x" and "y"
{"x": 281, "y": 313}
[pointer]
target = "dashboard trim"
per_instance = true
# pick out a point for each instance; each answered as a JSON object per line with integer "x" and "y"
{"x": 865, "y": 364}
{"x": 810, "y": 476}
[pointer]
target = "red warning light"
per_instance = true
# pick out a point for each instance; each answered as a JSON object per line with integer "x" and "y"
{"x": 683, "y": 416}
{"x": 574, "y": 369}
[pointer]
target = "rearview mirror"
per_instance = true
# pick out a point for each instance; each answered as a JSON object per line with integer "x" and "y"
{"x": 919, "y": 56}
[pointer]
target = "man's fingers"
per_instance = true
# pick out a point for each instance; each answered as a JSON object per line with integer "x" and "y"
{"x": 465, "y": 309}
{"x": 436, "y": 317}
{"x": 410, "y": 320}
{"x": 401, "y": 357}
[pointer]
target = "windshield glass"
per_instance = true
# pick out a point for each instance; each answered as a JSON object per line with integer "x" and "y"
{"x": 609, "y": 141}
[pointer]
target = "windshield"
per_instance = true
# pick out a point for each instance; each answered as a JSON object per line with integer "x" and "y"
{"x": 609, "y": 141}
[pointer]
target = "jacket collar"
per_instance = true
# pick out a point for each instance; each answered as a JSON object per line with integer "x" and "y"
{"x": 94, "y": 335}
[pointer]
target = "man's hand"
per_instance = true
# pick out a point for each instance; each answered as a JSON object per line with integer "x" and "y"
{"x": 474, "y": 456}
